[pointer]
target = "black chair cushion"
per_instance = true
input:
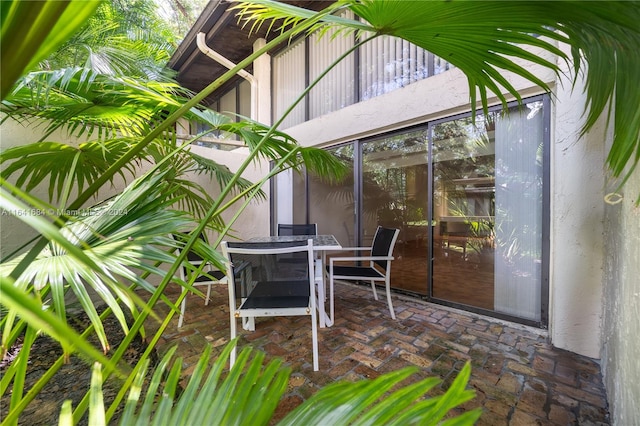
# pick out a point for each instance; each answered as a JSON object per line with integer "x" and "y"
{"x": 355, "y": 271}
{"x": 278, "y": 294}
{"x": 218, "y": 275}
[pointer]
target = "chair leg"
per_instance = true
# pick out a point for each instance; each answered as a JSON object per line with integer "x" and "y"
{"x": 320, "y": 303}
{"x": 206, "y": 300}
{"x": 314, "y": 340}
{"x": 249, "y": 323}
{"x": 331, "y": 305}
{"x": 373, "y": 287}
{"x": 388, "y": 287}
{"x": 232, "y": 357}
{"x": 183, "y": 309}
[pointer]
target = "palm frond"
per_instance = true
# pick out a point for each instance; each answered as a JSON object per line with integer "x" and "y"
{"x": 222, "y": 174}
{"x": 23, "y": 46}
{"x": 129, "y": 232}
{"x": 122, "y": 38}
{"x": 54, "y": 162}
{"x": 30, "y": 310}
{"x": 250, "y": 392}
{"x": 608, "y": 49}
{"x": 82, "y": 101}
{"x": 254, "y": 388}
{"x": 486, "y": 39}
{"x": 280, "y": 16}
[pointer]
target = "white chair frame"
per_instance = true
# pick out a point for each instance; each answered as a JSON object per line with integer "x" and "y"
{"x": 377, "y": 274}
{"x": 294, "y": 228}
{"x": 207, "y": 269}
{"x": 249, "y": 314}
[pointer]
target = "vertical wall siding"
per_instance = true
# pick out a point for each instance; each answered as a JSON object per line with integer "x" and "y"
{"x": 288, "y": 83}
{"x": 385, "y": 64}
{"x": 389, "y": 63}
{"x": 336, "y": 89}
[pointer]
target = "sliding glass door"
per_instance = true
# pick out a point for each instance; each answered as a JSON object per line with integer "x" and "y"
{"x": 487, "y": 210}
{"x": 463, "y": 211}
{"x": 468, "y": 198}
{"x": 332, "y": 205}
{"x": 394, "y": 195}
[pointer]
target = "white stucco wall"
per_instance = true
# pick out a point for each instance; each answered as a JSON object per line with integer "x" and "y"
{"x": 577, "y": 216}
{"x": 621, "y": 311}
{"x": 14, "y": 232}
{"x": 577, "y": 176}
{"x": 254, "y": 220}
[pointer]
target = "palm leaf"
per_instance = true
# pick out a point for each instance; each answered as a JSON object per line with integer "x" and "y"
{"x": 126, "y": 232}
{"x": 55, "y": 162}
{"x": 23, "y": 46}
{"x": 82, "y": 101}
{"x": 486, "y": 39}
{"x": 221, "y": 173}
{"x": 30, "y": 309}
{"x": 122, "y": 38}
{"x": 250, "y": 392}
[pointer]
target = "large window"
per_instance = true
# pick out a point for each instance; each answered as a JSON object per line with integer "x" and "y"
{"x": 468, "y": 196}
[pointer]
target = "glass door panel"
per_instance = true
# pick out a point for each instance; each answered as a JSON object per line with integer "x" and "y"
{"x": 487, "y": 211}
{"x": 394, "y": 194}
{"x": 332, "y": 205}
{"x": 464, "y": 211}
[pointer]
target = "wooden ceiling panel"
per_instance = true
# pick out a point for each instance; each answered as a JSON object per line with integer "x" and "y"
{"x": 224, "y": 35}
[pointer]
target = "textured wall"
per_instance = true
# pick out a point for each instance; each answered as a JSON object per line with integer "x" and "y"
{"x": 13, "y": 232}
{"x": 621, "y": 322}
{"x": 577, "y": 216}
{"x": 254, "y": 220}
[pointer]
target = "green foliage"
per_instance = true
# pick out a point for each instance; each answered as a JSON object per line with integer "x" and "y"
{"x": 81, "y": 102}
{"x": 33, "y": 30}
{"x": 99, "y": 92}
{"x": 487, "y": 39}
{"x": 250, "y": 392}
{"x": 124, "y": 37}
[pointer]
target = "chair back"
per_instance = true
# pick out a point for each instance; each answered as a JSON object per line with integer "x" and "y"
{"x": 383, "y": 242}
{"x": 191, "y": 255}
{"x": 288, "y": 229}
{"x": 261, "y": 280}
{"x": 195, "y": 260}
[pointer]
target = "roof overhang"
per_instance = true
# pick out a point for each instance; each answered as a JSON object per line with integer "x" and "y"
{"x": 225, "y": 35}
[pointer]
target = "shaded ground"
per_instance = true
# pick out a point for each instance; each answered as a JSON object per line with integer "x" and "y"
{"x": 71, "y": 381}
{"x": 518, "y": 376}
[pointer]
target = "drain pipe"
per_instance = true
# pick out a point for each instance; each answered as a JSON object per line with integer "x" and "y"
{"x": 202, "y": 45}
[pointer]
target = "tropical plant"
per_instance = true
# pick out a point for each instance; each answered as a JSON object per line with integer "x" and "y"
{"x": 97, "y": 247}
{"x": 488, "y": 39}
{"x": 257, "y": 389}
{"x": 603, "y": 39}
{"x": 124, "y": 37}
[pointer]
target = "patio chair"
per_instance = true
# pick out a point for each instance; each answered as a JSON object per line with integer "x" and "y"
{"x": 285, "y": 229}
{"x": 378, "y": 268}
{"x": 262, "y": 286}
{"x": 211, "y": 275}
{"x": 290, "y": 229}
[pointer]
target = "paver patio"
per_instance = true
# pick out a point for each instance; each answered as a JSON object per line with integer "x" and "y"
{"x": 519, "y": 378}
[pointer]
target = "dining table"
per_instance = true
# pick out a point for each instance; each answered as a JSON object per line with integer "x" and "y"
{"x": 321, "y": 245}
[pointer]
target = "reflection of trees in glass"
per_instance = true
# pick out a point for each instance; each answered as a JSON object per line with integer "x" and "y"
{"x": 463, "y": 153}
{"x": 397, "y": 165}
{"x": 341, "y": 194}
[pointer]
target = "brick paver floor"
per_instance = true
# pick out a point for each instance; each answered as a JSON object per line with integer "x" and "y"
{"x": 519, "y": 378}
